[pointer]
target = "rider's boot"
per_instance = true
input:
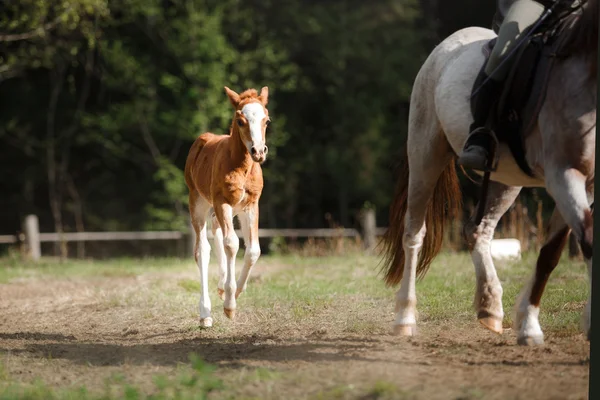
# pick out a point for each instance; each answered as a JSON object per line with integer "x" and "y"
{"x": 477, "y": 148}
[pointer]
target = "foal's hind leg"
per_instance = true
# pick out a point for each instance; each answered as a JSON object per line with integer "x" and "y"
{"x": 426, "y": 164}
{"x": 488, "y": 295}
{"x": 220, "y": 254}
{"x": 199, "y": 208}
{"x": 231, "y": 243}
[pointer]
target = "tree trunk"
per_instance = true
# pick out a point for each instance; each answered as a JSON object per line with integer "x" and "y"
{"x": 57, "y": 77}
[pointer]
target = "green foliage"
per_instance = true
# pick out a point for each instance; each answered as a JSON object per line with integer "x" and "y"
{"x": 102, "y": 99}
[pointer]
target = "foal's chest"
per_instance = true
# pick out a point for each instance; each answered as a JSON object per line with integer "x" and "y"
{"x": 244, "y": 190}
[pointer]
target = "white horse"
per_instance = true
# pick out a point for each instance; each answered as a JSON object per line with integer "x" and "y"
{"x": 560, "y": 151}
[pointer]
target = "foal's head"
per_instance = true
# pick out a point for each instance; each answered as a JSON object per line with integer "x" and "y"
{"x": 251, "y": 120}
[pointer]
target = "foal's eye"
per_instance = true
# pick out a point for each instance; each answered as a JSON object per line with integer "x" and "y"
{"x": 268, "y": 122}
{"x": 240, "y": 122}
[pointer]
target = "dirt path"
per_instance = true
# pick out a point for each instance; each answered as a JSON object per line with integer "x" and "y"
{"x": 82, "y": 331}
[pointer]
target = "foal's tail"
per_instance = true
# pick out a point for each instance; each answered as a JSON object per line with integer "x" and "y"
{"x": 445, "y": 204}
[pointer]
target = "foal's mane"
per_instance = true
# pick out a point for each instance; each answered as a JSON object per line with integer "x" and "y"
{"x": 247, "y": 96}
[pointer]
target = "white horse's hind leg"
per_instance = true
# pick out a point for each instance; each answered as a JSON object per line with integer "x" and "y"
{"x": 488, "y": 294}
{"x": 220, "y": 255}
{"x": 199, "y": 208}
{"x": 426, "y": 162}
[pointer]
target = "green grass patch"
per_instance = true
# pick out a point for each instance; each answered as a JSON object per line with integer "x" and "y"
{"x": 195, "y": 382}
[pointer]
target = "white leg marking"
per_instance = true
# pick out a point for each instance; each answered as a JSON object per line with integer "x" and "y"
{"x": 220, "y": 255}
{"x": 200, "y": 210}
{"x": 249, "y": 222}
{"x": 231, "y": 244}
{"x": 203, "y": 260}
{"x": 526, "y": 320}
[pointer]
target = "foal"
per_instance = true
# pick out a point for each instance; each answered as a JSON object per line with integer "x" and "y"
{"x": 223, "y": 172}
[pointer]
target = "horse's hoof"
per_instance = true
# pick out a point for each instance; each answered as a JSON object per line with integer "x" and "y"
{"x": 229, "y": 313}
{"x": 493, "y": 324}
{"x": 221, "y": 293}
{"x": 405, "y": 330}
{"x": 206, "y": 322}
{"x": 238, "y": 292}
{"x": 530, "y": 340}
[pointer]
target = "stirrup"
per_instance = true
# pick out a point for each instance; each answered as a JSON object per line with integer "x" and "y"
{"x": 492, "y": 158}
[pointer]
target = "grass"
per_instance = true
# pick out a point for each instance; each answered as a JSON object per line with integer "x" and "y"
{"x": 295, "y": 295}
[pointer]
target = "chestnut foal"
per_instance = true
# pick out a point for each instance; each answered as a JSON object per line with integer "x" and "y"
{"x": 223, "y": 172}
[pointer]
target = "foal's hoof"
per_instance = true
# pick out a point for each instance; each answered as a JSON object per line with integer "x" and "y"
{"x": 493, "y": 324}
{"x": 221, "y": 293}
{"x": 206, "y": 322}
{"x": 405, "y": 330}
{"x": 238, "y": 292}
{"x": 530, "y": 340}
{"x": 229, "y": 313}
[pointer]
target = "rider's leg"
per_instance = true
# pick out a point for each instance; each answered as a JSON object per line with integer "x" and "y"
{"x": 521, "y": 15}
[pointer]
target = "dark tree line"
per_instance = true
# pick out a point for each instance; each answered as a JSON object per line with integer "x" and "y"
{"x": 101, "y": 99}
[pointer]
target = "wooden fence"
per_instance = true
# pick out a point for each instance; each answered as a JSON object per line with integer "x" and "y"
{"x": 31, "y": 237}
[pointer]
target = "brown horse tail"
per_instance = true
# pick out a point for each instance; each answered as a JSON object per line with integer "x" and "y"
{"x": 445, "y": 204}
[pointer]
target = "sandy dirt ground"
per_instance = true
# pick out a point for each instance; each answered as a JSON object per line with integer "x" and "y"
{"x": 80, "y": 331}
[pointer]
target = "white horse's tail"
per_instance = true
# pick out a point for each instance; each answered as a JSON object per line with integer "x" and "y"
{"x": 445, "y": 204}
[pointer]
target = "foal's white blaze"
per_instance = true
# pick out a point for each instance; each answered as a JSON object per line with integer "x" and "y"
{"x": 254, "y": 113}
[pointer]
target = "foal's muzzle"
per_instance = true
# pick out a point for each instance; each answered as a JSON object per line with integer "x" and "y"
{"x": 259, "y": 153}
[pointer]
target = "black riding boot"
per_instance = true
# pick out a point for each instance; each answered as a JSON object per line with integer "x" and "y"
{"x": 477, "y": 148}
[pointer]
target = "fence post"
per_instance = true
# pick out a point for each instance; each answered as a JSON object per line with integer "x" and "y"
{"x": 32, "y": 237}
{"x": 368, "y": 224}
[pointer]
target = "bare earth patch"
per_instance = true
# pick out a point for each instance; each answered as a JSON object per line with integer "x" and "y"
{"x": 86, "y": 330}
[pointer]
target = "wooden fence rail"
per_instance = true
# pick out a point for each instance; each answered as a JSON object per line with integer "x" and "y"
{"x": 32, "y": 238}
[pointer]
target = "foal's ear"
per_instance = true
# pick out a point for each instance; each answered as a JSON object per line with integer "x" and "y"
{"x": 234, "y": 98}
{"x": 264, "y": 95}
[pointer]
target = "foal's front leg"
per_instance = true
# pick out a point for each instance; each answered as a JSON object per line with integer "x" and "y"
{"x": 249, "y": 222}
{"x": 231, "y": 244}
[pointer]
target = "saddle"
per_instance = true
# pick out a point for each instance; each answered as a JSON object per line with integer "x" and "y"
{"x": 514, "y": 117}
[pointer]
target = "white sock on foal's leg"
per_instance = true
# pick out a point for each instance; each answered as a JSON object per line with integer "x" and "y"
{"x": 220, "y": 256}
{"x": 203, "y": 259}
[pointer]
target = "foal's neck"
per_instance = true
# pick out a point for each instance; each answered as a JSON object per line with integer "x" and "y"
{"x": 239, "y": 153}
